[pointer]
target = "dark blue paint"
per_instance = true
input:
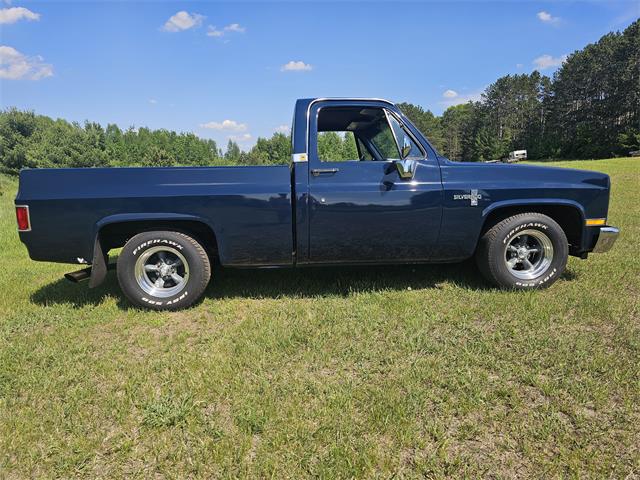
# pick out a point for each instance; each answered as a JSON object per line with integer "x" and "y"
{"x": 366, "y": 213}
{"x": 505, "y": 185}
{"x": 281, "y": 216}
{"x": 248, "y": 208}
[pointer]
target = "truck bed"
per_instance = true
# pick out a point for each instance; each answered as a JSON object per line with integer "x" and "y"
{"x": 247, "y": 208}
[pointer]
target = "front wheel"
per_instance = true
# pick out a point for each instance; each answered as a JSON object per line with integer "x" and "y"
{"x": 163, "y": 270}
{"x": 525, "y": 251}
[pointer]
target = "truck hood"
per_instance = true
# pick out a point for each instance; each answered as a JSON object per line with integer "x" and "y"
{"x": 536, "y": 173}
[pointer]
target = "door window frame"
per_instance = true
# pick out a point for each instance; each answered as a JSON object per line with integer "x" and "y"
{"x": 387, "y": 107}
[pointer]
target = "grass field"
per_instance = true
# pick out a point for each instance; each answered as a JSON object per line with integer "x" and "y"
{"x": 332, "y": 373}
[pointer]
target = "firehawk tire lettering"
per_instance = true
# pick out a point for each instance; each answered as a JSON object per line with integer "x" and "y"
{"x": 156, "y": 241}
{"x": 521, "y": 227}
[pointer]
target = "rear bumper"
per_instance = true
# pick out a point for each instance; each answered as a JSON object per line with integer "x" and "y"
{"x": 606, "y": 238}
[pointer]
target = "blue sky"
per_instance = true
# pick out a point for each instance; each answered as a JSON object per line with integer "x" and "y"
{"x": 222, "y": 69}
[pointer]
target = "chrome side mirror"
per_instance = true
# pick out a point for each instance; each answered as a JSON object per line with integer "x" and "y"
{"x": 406, "y": 168}
{"x": 406, "y": 147}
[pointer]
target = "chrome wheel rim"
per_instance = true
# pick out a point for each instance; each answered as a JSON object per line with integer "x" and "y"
{"x": 529, "y": 254}
{"x": 162, "y": 271}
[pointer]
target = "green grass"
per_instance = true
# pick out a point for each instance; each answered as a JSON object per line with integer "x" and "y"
{"x": 334, "y": 373}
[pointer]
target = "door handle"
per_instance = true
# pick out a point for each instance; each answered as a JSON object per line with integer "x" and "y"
{"x": 324, "y": 171}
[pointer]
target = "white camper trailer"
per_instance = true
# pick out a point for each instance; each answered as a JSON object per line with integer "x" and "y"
{"x": 516, "y": 156}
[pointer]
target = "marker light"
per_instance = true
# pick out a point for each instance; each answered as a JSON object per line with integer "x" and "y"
{"x": 22, "y": 216}
{"x": 592, "y": 222}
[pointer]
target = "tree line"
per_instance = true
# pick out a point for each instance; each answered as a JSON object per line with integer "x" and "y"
{"x": 590, "y": 108}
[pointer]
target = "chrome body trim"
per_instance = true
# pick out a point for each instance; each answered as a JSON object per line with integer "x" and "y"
{"x": 406, "y": 168}
{"x": 606, "y": 239}
{"x": 407, "y": 132}
{"x": 324, "y": 171}
{"x": 393, "y": 133}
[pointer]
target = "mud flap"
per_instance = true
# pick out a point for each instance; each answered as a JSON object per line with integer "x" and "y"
{"x": 99, "y": 264}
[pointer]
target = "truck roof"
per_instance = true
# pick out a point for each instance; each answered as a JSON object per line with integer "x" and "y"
{"x": 369, "y": 99}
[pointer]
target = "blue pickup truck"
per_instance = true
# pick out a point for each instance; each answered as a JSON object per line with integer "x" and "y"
{"x": 397, "y": 202}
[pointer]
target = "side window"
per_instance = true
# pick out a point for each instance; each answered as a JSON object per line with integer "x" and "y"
{"x": 337, "y": 147}
{"x": 354, "y": 133}
{"x": 400, "y": 135}
{"x": 361, "y": 133}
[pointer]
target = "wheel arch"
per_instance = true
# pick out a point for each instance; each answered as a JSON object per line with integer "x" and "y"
{"x": 115, "y": 230}
{"x": 568, "y": 214}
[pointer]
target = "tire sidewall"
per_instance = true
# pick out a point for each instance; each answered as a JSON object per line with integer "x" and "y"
{"x": 511, "y": 230}
{"x": 136, "y": 246}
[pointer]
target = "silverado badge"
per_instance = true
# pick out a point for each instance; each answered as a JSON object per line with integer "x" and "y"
{"x": 474, "y": 196}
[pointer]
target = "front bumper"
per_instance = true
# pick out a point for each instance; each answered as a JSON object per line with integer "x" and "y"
{"x": 606, "y": 238}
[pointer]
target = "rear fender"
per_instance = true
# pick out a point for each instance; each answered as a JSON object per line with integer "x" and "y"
{"x": 99, "y": 264}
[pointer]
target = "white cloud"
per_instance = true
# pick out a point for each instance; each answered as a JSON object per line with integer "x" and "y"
{"x": 461, "y": 98}
{"x": 183, "y": 21}
{"x": 450, "y": 94}
{"x": 519, "y": 65}
{"x": 245, "y": 137}
{"x": 14, "y": 14}
{"x": 153, "y": 101}
{"x": 546, "y": 17}
{"x": 213, "y": 32}
{"x": 16, "y": 66}
{"x": 283, "y": 129}
{"x": 234, "y": 27}
{"x": 226, "y": 125}
{"x": 294, "y": 66}
{"x": 547, "y": 61}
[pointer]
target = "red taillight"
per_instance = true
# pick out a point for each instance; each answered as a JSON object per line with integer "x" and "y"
{"x": 22, "y": 215}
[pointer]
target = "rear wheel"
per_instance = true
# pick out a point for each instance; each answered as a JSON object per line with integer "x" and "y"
{"x": 525, "y": 251}
{"x": 163, "y": 270}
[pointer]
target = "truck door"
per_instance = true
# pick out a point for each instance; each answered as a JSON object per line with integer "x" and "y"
{"x": 366, "y": 204}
